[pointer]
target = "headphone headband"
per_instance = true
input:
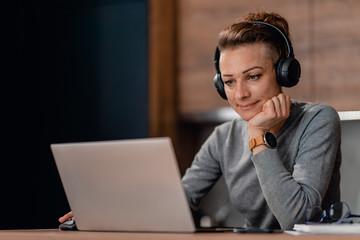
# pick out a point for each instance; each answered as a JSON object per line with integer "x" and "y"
{"x": 287, "y": 40}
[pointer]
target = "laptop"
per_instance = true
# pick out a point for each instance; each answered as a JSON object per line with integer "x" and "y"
{"x": 124, "y": 185}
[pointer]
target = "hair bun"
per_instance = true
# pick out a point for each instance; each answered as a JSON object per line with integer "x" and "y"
{"x": 269, "y": 17}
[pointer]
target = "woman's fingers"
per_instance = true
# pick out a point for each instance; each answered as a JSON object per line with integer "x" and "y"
{"x": 66, "y": 217}
{"x": 282, "y": 105}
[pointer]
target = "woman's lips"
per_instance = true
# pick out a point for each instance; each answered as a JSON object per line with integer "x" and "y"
{"x": 246, "y": 107}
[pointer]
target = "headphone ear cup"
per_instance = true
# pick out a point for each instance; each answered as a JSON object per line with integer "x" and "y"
{"x": 219, "y": 84}
{"x": 288, "y": 72}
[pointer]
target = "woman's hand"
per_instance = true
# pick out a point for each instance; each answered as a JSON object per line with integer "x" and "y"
{"x": 272, "y": 117}
{"x": 66, "y": 217}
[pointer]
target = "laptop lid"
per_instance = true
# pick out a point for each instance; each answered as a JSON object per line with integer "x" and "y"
{"x": 124, "y": 185}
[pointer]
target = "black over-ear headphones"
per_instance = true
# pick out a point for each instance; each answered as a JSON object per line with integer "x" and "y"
{"x": 288, "y": 69}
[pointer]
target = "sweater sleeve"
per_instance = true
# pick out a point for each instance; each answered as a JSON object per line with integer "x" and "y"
{"x": 290, "y": 194}
{"x": 203, "y": 173}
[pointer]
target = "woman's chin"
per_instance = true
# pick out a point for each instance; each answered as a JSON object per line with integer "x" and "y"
{"x": 246, "y": 116}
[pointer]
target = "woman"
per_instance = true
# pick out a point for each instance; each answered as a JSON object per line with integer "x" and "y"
{"x": 272, "y": 184}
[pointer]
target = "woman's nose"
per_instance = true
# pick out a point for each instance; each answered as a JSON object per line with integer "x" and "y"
{"x": 242, "y": 91}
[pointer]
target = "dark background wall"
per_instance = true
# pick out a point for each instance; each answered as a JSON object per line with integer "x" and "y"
{"x": 75, "y": 71}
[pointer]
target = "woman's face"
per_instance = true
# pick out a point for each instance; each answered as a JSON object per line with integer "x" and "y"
{"x": 249, "y": 78}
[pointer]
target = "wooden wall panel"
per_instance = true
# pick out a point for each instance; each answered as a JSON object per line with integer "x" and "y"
{"x": 324, "y": 35}
{"x": 337, "y": 53}
{"x": 162, "y": 82}
{"x": 199, "y": 23}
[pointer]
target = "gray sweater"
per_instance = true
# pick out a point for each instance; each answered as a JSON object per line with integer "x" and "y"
{"x": 274, "y": 188}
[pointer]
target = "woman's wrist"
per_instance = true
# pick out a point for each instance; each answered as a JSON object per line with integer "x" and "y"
{"x": 255, "y": 132}
{"x": 258, "y": 149}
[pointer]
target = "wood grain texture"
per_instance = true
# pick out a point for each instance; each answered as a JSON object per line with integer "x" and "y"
{"x": 162, "y": 82}
{"x": 324, "y": 34}
{"x": 77, "y": 235}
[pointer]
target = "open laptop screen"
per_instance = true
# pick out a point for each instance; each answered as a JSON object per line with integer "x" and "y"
{"x": 125, "y": 185}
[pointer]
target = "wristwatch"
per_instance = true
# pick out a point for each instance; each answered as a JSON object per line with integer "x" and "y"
{"x": 267, "y": 139}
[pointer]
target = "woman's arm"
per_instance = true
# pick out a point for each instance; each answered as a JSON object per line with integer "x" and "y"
{"x": 203, "y": 173}
{"x": 289, "y": 195}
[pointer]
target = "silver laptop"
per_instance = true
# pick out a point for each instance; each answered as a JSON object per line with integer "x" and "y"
{"x": 125, "y": 185}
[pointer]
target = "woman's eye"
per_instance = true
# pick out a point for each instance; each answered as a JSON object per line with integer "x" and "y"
{"x": 229, "y": 83}
{"x": 254, "y": 77}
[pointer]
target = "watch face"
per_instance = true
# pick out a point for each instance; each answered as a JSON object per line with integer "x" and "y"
{"x": 270, "y": 140}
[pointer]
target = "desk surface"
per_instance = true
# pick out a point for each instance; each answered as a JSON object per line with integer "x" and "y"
{"x": 56, "y": 234}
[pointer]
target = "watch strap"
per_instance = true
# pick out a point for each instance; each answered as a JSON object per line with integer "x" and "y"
{"x": 254, "y": 142}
